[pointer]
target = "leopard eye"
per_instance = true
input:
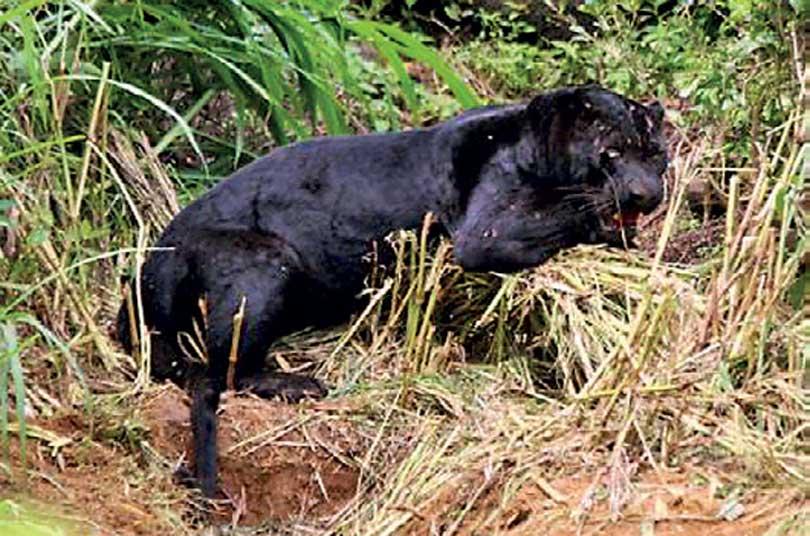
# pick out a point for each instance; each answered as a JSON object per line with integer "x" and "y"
{"x": 612, "y": 153}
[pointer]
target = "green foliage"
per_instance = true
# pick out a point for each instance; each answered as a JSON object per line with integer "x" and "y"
{"x": 393, "y": 44}
{"x": 285, "y": 62}
{"x": 381, "y": 100}
{"x": 282, "y": 67}
{"x": 10, "y": 367}
{"x": 506, "y": 24}
{"x": 717, "y": 59}
{"x": 5, "y": 207}
{"x": 24, "y": 519}
{"x": 12, "y": 347}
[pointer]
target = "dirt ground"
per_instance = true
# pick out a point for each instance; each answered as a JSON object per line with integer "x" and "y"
{"x": 271, "y": 468}
{"x": 281, "y": 463}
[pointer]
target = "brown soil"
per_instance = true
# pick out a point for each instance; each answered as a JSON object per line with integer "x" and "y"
{"x": 277, "y": 463}
{"x": 273, "y": 465}
{"x": 282, "y": 463}
{"x": 89, "y": 481}
{"x": 686, "y": 247}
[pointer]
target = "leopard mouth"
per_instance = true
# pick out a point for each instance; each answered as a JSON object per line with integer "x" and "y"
{"x": 620, "y": 227}
{"x": 625, "y": 220}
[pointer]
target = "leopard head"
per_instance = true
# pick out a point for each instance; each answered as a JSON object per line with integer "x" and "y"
{"x": 604, "y": 155}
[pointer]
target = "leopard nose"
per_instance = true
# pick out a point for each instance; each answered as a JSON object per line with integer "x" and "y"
{"x": 644, "y": 194}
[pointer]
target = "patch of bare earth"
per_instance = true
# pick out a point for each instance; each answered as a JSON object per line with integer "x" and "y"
{"x": 685, "y": 247}
{"x": 92, "y": 482}
{"x": 276, "y": 461}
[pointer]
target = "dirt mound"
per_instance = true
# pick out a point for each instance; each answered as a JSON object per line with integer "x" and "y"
{"x": 277, "y": 461}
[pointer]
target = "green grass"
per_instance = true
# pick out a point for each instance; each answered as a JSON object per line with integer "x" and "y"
{"x": 25, "y": 519}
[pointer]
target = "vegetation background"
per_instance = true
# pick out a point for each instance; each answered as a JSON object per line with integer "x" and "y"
{"x": 648, "y": 391}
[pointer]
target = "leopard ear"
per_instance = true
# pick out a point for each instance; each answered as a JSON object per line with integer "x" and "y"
{"x": 565, "y": 103}
{"x": 551, "y": 117}
{"x": 545, "y": 106}
{"x": 558, "y": 107}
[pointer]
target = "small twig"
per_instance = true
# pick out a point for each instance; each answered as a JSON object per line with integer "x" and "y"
{"x": 321, "y": 485}
{"x": 233, "y": 356}
{"x": 134, "y": 334}
{"x": 9, "y": 249}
